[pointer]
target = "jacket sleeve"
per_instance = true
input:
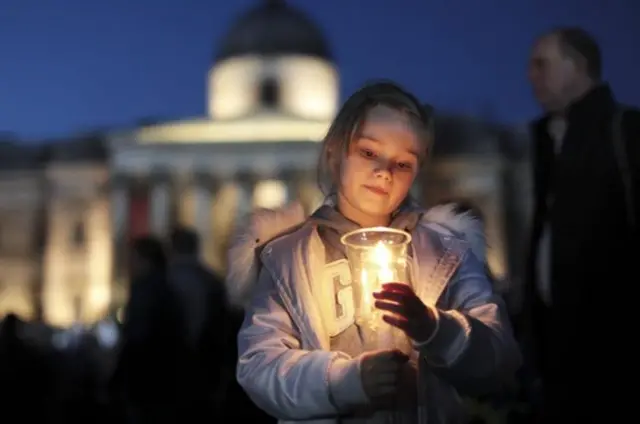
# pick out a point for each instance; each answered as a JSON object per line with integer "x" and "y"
{"x": 284, "y": 380}
{"x": 472, "y": 346}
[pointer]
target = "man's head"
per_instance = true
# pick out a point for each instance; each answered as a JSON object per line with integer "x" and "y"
{"x": 184, "y": 242}
{"x": 147, "y": 256}
{"x": 565, "y": 63}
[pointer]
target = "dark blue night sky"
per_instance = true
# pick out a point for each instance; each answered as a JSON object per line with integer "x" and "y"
{"x": 74, "y": 65}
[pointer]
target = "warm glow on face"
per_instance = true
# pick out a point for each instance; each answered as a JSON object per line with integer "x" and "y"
{"x": 380, "y": 167}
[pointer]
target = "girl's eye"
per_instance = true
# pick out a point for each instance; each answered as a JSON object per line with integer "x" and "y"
{"x": 367, "y": 153}
{"x": 404, "y": 166}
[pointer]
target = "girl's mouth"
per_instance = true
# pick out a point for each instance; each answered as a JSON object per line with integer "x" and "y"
{"x": 377, "y": 190}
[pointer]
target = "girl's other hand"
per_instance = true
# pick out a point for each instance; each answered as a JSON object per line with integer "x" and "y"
{"x": 380, "y": 372}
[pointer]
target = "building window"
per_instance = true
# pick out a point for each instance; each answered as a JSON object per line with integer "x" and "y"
{"x": 78, "y": 236}
{"x": 270, "y": 194}
{"x": 269, "y": 93}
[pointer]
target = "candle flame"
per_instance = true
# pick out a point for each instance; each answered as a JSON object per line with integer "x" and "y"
{"x": 381, "y": 253}
{"x": 383, "y": 258}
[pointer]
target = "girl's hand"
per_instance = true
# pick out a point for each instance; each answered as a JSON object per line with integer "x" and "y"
{"x": 408, "y": 313}
{"x": 380, "y": 372}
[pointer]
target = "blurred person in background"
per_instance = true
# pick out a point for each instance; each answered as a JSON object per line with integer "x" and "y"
{"x": 584, "y": 241}
{"x": 203, "y": 304}
{"x": 25, "y": 374}
{"x": 148, "y": 367}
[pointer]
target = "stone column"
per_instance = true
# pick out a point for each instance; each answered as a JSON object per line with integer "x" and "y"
{"x": 159, "y": 209}
{"x": 100, "y": 258}
{"x": 185, "y": 200}
{"x": 119, "y": 203}
{"x": 41, "y": 238}
{"x": 55, "y": 287}
{"x": 203, "y": 190}
{"x": 201, "y": 204}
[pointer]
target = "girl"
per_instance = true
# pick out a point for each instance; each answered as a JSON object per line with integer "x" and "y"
{"x": 302, "y": 357}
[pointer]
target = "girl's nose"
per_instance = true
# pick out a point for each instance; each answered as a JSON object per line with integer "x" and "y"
{"x": 383, "y": 169}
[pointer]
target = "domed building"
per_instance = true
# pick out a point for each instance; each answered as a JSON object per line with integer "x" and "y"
{"x": 274, "y": 60}
{"x": 272, "y": 91}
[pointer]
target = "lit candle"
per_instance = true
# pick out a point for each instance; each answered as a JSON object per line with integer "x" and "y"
{"x": 376, "y": 256}
{"x": 377, "y": 269}
{"x": 383, "y": 260}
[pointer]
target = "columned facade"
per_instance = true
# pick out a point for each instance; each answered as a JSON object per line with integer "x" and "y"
{"x": 204, "y": 191}
{"x": 212, "y": 205}
{"x": 160, "y": 205}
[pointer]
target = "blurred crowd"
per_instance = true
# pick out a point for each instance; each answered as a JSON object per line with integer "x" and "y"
{"x": 172, "y": 358}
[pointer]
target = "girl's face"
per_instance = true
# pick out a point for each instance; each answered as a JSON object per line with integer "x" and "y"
{"x": 379, "y": 167}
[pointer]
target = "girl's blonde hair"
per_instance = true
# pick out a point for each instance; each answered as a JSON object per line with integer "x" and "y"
{"x": 350, "y": 118}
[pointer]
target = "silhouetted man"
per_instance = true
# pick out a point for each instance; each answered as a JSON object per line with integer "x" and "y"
{"x": 202, "y": 297}
{"x": 148, "y": 369}
{"x": 584, "y": 245}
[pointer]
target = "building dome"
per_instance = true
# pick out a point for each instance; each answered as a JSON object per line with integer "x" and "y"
{"x": 273, "y": 28}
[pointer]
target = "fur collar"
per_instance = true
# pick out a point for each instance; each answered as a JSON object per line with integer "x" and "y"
{"x": 266, "y": 225}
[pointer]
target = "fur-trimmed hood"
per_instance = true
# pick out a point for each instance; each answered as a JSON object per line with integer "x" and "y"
{"x": 266, "y": 225}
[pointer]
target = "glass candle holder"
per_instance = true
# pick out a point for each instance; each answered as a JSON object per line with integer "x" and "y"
{"x": 376, "y": 256}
